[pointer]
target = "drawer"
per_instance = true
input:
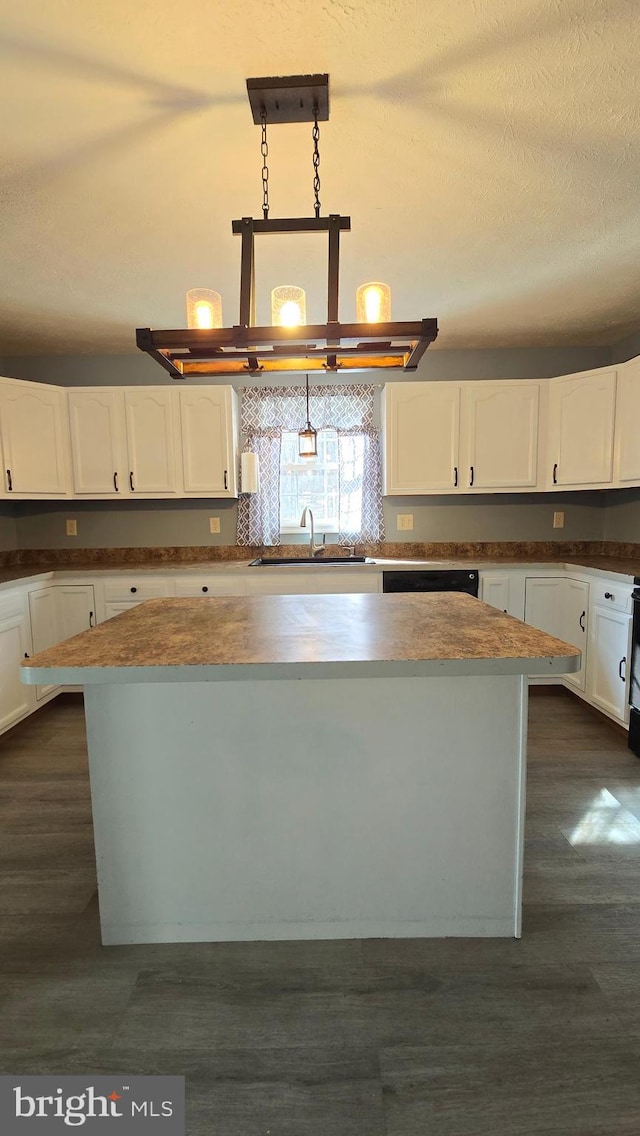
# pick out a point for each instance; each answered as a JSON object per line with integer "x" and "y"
{"x": 130, "y": 590}
{"x": 608, "y": 593}
{"x": 211, "y": 586}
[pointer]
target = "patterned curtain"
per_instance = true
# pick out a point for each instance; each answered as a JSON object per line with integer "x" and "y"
{"x": 266, "y": 412}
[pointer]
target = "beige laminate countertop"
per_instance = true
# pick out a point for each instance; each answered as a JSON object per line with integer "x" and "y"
{"x": 303, "y": 636}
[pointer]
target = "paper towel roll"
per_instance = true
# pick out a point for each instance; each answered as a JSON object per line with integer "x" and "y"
{"x": 249, "y": 473}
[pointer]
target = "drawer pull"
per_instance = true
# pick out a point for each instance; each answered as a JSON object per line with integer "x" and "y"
{"x": 621, "y": 664}
{"x": 133, "y": 589}
{"x": 609, "y": 596}
{"x": 205, "y": 588}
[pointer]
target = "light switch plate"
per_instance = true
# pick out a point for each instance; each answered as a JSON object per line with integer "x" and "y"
{"x": 405, "y": 522}
{"x": 72, "y": 528}
{"x": 558, "y": 520}
{"x": 214, "y": 524}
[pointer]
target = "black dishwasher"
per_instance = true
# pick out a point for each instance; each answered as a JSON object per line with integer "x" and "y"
{"x": 431, "y": 580}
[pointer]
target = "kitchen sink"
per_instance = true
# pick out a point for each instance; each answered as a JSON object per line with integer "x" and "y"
{"x": 312, "y": 562}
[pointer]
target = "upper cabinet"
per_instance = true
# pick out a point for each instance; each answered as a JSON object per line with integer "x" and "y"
{"x": 34, "y": 439}
{"x": 154, "y": 442}
{"x": 421, "y": 426}
{"x": 465, "y": 437}
{"x": 580, "y": 430}
{"x": 209, "y": 417}
{"x": 627, "y": 433}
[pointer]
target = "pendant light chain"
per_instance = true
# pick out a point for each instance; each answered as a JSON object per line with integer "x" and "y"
{"x": 308, "y": 419}
{"x": 315, "y": 134}
{"x": 264, "y": 150}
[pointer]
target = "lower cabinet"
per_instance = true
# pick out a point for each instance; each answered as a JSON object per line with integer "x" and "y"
{"x": 43, "y": 614}
{"x": 16, "y": 699}
{"x": 609, "y": 660}
{"x": 504, "y": 590}
{"x": 559, "y": 605}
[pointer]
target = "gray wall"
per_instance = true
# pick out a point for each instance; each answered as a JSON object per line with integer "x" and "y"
{"x": 8, "y": 531}
{"x": 498, "y": 363}
{"x": 622, "y": 516}
{"x": 626, "y": 349}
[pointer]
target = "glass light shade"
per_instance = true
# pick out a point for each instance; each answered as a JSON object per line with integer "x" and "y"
{"x": 288, "y": 306}
{"x": 308, "y": 442}
{"x": 204, "y": 308}
{"x": 373, "y": 303}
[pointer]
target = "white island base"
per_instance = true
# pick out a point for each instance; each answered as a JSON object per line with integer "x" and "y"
{"x": 308, "y": 808}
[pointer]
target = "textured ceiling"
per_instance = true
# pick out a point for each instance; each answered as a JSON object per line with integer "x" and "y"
{"x": 486, "y": 150}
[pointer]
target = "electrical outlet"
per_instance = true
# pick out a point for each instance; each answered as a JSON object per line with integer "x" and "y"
{"x": 72, "y": 528}
{"x": 405, "y": 522}
{"x": 558, "y": 520}
{"x": 214, "y": 524}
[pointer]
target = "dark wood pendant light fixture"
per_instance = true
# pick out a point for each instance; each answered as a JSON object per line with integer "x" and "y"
{"x": 330, "y": 347}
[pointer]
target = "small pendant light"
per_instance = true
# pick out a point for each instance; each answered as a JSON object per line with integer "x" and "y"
{"x": 308, "y": 438}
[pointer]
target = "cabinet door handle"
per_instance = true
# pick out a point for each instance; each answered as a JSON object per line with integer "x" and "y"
{"x": 131, "y": 485}
{"x": 115, "y": 482}
{"x": 27, "y": 655}
{"x": 581, "y": 620}
{"x": 609, "y": 596}
{"x": 226, "y": 480}
{"x": 455, "y": 477}
{"x": 621, "y": 664}
{"x": 555, "y": 474}
{"x": 470, "y": 476}
{"x": 9, "y": 481}
{"x": 90, "y": 619}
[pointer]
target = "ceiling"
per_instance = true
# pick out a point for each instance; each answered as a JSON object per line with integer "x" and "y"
{"x": 486, "y": 151}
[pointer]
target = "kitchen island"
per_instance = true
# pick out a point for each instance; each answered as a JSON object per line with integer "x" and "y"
{"x": 295, "y": 767}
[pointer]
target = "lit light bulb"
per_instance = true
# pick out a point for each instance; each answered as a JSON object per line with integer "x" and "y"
{"x": 203, "y": 314}
{"x": 290, "y": 314}
{"x": 288, "y": 306}
{"x": 204, "y": 308}
{"x": 373, "y": 303}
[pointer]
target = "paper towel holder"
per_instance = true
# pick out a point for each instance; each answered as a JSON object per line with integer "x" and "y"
{"x": 249, "y": 472}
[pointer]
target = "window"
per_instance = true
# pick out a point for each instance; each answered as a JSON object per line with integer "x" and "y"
{"x": 341, "y": 485}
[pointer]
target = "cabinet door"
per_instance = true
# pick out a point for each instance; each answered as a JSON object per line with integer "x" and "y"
{"x": 33, "y": 440}
{"x": 609, "y": 656}
{"x": 627, "y": 428}
{"x": 76, "y": 606}
{"x": 575, "y": 629}
{"x": 44, "y": 628}
{"x": 208, "y": 441}
{"x": 151, "y": 417}
{"x": 581, "y": 421}
{"x": 501, "y": 435}
{"x": 98, "y": 443}
{"x": 421, "y": 423}
{"x": 504, "y": 590}
{"x": 16, "y": 699}
{"x": 544, "y": 604}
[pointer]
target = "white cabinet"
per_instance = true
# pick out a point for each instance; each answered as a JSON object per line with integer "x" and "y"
{"x": 500, "y": 435}
{"x": 309, "y": 581}
{"x": 504, "y": 590}
{"x": 580, "y": 429}
{"x": 231, "y": 585}
{"x": 469, "y": 437}
{"x": 421, "y": 426}
{"x": 124, "y": 592}
{"x": 76, "y": 608}
{"x": 43, "y": 613}
{"x": 559, "y": 605}
{"x": 209, "y": 433}
{"x": 627, "y": 436}
{"x": 609, "y": 660}
{"x": 124, "y": 443}
{"x": 16, "y": 699}
{"x": 34, "y": 439}
{"x": 98, "y": 444}
{"x": 151, "y": 422}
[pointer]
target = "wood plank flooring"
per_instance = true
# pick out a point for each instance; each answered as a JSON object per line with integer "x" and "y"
{"x": 452, "y": 1037}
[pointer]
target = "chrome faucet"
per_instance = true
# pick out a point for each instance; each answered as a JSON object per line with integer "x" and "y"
{"x": 314, "y": 549}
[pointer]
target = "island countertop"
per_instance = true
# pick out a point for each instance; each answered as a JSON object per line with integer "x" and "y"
{"x": 315, "y": 636}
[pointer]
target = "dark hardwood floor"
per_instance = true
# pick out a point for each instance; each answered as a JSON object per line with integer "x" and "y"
{"x": 451, "y": 1037}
